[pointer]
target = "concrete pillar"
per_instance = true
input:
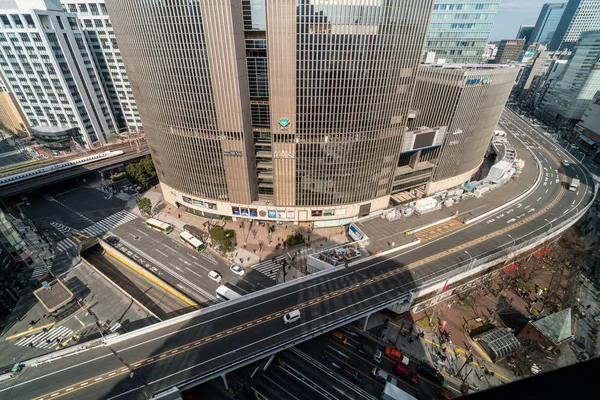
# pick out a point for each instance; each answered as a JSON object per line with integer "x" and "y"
{"x": 366, "y": 322}
{"x": 225, "y": 381}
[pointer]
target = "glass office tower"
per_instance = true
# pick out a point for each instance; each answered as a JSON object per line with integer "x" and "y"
{"x": 459, "y": 30}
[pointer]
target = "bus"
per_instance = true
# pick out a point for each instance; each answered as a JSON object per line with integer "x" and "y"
{"x": 224, "y": 294}
{"x": 192, "y": 241}
{"x": 159, "y": 226}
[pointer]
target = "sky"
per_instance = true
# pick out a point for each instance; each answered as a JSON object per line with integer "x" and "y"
{"x": 514, "y": 13}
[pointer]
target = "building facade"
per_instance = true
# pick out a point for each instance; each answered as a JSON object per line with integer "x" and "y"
{"x": 13, "y": 255}
{"x": 466, "y": 101}
{"x": 95, "y": 23}
{"x": 459, "y": 30}
{"x": 47, "y": 64}
{"x": 278, "y": 110}
{"x": 11, "y": 117}
{"x": 509, "y": 51}
{"x": 566, "y": 100}
{"x": 579, "y": 16}
{"x": 547, "y": 22}
{"x": 588, "y": 129}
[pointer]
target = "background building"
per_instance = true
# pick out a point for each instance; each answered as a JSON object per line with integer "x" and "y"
{"x": 579, "y": 16}
{"x": 95, "y": 23}
{"x": 277, "y": 110}
{"x": 509, "y": 51}
{"x": 47, "y": 65}
{"x": 467, "y": 101}
{"x": 588, "y": 129}
{"x": 11, "y": 117}
{"x": 525, "y": 32}
{"x": 13, "y": 255}
{"x": 547, "y": 22}
{"x": 545, "y": 82}
{"x": 565, "y": 102}
{"x": 459, "y": 30}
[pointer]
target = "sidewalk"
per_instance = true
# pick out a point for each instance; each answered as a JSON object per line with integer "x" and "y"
{"x": 253, "y": 242}
{"x": 384, "y": 235}
{"x": 403, "y": 334}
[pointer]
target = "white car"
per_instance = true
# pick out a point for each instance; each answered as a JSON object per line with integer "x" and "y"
{"x": 215, "y": 276}
{"x": 236, "y": 269}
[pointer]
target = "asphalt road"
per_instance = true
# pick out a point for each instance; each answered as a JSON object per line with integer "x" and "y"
{"x": 181, "y": 266}
{"x": 232, "y": 332}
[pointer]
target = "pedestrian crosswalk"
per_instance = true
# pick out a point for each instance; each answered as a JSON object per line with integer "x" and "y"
{"x": 271, "y": 267}
{"x": 61, "y": 228}
{"x": 100, "y": 228}
{"x": 48, "y": 339}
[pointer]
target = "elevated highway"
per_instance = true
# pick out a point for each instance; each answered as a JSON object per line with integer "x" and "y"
{"x": 58, "y": 176}
{"x": 210, "y": 342}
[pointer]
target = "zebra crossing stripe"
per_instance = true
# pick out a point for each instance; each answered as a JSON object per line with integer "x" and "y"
{"x": 41, "y": 339}
{"x": 110, "y": 222}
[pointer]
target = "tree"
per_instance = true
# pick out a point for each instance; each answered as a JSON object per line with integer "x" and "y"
{"x": 221, "y": 238}
{"x": 142, "y": 171}
{"x": 292, "y": 240}
{"x": 145, "y": 205}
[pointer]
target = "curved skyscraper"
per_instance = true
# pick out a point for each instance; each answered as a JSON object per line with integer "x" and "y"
{"x": 273, "y": 109}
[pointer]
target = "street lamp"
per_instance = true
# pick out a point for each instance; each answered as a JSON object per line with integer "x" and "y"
{"x": 550, "y": 222}
{"x": 513, "y": 239}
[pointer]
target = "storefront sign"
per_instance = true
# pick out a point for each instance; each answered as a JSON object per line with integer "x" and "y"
{"x": 284, "y": 155}
{"x": 284, "y": 122}
{"x": 232, "y": 153}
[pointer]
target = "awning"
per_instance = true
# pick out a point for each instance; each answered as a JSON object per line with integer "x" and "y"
{"x": 587, "y": 139}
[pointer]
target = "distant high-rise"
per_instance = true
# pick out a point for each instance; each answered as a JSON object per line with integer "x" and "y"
{"x": 525, "y": 32}
{"x": 459, "y": 30}
{"x": 283, "y": 110}
{"x": 547, "y": 22}
{"x": 96, "y": 25}
{"x": 48, "y": 66}
{"x": 509, "y": 51}
{"x": 566, "y": 101}
{"x": 579, "y": 16}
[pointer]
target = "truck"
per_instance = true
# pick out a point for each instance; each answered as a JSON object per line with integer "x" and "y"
{"x": 393, "y": 392}
{"x": 574, "y": 185}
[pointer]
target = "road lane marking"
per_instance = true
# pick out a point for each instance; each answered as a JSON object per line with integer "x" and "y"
{"x": 438, "y": 255}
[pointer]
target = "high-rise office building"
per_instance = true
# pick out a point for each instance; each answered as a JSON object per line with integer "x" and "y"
{"x": 459, "y": 30}
{"x": 47, "y": 64}
{"x": 509, "y": 51}
{"x": 588, "y": 129}
{"x": 547, "y": 22}
{"x": 279, "y": 110}
{"x": 579, "y": 16}
{"x": 565, "y": 102}
{"x": 13, "y": 255}
{"x": 525, "y": 32}
{"x": 466, "y": 101}
{"x": 11, "y": 115}
{"x": 95, "y": 24}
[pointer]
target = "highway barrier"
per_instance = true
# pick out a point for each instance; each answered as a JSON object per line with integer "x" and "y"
{"x": 116, "y": 254}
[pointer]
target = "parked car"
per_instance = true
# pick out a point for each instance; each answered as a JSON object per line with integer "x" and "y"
{"x": 393, "y": 353}
{"x": 380, "y": 375}
{"x": 431, "y": 373}
{"x": 236, "y": 269}
{"x": 403, "y": 371}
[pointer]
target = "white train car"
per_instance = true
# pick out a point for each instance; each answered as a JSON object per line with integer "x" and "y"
{"x": 7, "y": 180}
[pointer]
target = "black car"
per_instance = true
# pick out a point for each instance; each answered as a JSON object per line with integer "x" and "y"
{"x": 112, "y": 240}
{"x": 430, "y": 373}
{"x": 352, "y": 374}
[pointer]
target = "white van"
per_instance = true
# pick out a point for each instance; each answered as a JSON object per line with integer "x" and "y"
{"x": 291, "y": 317}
